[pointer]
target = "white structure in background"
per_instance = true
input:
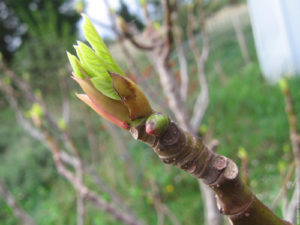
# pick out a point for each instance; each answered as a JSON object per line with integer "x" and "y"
{"x": 276, "y": 28}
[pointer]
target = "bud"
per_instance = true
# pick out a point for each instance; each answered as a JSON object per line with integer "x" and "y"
{"x": 135, "y": 100}
{"x": 283, "y": 84}
{"x": 36, "y": 113}
{"x": 62, "y": 124}
{"x": 113, "y": 110}
{"x": 143, "y": 2}
{"x": 242, "y": 153}
{"x": 107, "y": 90}
{"x": 79, "y": 6}
{"x": 157, "y": 124}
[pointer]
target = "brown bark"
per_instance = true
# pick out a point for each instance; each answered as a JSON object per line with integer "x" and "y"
{"x": 183, "y": 150}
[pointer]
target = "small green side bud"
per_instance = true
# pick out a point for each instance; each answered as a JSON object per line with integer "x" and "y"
{"x": 203, "y": 129}
{"x": 242, "y": 153}
{"x": 157, "y": 26}
{"x": 143, "y": 2}
{"x": 36, "y": 110}
{"x": 282, "y": 166}
{"x": 283, "y": 84}
{"x": 157, "y": 124}
{"x": 62, "y": 124}
{"x": 36, "y": 114}
{"x": 79, "y": 6}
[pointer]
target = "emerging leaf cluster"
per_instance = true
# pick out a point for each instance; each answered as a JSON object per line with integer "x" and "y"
{"x": 94, "y": 63}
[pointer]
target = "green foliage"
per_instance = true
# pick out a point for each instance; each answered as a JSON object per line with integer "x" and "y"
{"x": 92, "y": 61}
{"x": 28, "y": 19}
{"x": 96, "y": 63}
{"x": 75, "y": 65}
{"x": 98, "y": 45}
{"x": 35, "y": 111}
{"x": 101, "y": 83}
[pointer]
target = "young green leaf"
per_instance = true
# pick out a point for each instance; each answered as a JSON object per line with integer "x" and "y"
{"x": 75, "y": 65}
{"x": 93, "y": 61}
{"x": 105, "y": 86}
{"x": 89, "y": 71}
{"x": 98, "y": 45}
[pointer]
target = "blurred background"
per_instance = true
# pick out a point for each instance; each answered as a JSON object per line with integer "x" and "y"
{"x": 46, "y": 133}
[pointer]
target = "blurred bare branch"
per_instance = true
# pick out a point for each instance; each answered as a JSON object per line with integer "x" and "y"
{"x": 201, "y": 56}
{"x": 283, "y": 191}
{"x": 66, "y": 113}
{"x": 26, "y": 90}
{"x": 162, "y": 209}
{"x": 151, "y": 94}
{"x": 75, "y": 174}
{"x": 290, "y": 208}
{"x": 241, "y": 40}
{"x": 220, "y": 72}
{"x": 91, "y": 136}
{"x": 10, "y": 201}
{"x": 183, "y": 65}
{"x": 27, "y": 125}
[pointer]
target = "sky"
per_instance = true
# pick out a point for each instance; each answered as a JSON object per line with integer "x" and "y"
{"x": 97, "y": 11}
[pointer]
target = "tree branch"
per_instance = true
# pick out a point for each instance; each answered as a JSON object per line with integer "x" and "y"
{"x": 137, "y": 75}
{"x": 201, "y": 56}
{"x": 292, "y": 207}
{"x": 83, "y": 192}
{"x": 189, "y": 153}
{"x": 9, "y": 95}
{"x": 167, "y": 27}
{"x": 183, "y": 65}
{"x": 18, "y": 212}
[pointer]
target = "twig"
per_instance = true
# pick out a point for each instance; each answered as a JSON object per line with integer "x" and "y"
{"x": 65, "y": 100}
{"x": 18, "y": 212}
{"x": 183, "y": 65}
{"x": 241, "y": 40}
{"x": 168, "y": 27}
{"x": 161, "y": 208}
{"x": 290, "y": 208}
{"x": 80, "y": 209}
{"x": 136, "y": 43}
{"x": 201, "y": 56}
{"x": 83, "y": 190}
{"x": 220, "y": 72}
{"x": 115, "y": 197}
{"x": 91, "y": 136}
{"x": 25, "y": 88}
{"x": 283, "y": 190}
{"x": 125, "y": 33}
{"x": 74, "y": 178}
{"x": 137, "y": 75}
{"x": 9, "y": 95}
{"x": 120, "y": 147}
